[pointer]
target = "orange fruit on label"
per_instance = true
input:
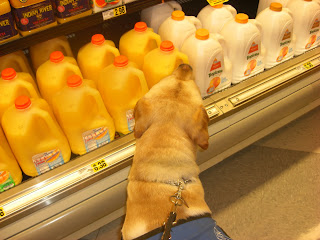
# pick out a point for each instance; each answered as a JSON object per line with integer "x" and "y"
{"x": 252, "y": 64}
{"x": 101, "y": 3}
{"x": 4, "y": 176}
{"x": 216, "y": 82}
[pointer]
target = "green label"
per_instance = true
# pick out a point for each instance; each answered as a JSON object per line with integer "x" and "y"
{"x": 6, "y": 181}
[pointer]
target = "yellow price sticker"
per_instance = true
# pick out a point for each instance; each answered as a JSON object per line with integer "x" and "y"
{"x": 99, "y": 165}
{"x": 120, "y": 10}
{"x": 2, "y": 213}
{"x": 308, "y": 65}
{"x": 216, "y": 2}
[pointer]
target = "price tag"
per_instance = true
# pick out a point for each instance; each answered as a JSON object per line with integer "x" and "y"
{"x": 216, "y": 2}
{"x": 99, "y": 165}
{"x": 114, "y": 12}
{"x": 2, "y": 213}
{"x": 308, "y": 65}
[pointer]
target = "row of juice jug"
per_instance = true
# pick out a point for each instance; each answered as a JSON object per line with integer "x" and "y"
{"x": 30, "y": 16}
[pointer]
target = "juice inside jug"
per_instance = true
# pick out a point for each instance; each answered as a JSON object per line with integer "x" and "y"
{"x": 178, "y": 28}
{"x": 35, "y": 137}
{"x": 161, "y": 62}
{"x": 95, "y": 56}
{"x": 212, "y": 70}
{"x": 10, "y": 172}
{"x": 69, "y": 10}
{"x": 121, "y": 85}
{"x": 8, "y": 29}
{"x": 306, "y": 24}
{"x": 33, "y": 15}
{"x": 136, "y": 43}
{"x": 246, "y": 51}
{"x": 82, "y": 116}
{"x": 13, "y": 85}
{"x": 277, "y": 34}
{"x": 215, "y": 17}
{"x": 16, "y": 60}
{"x": 52, "y": 75}
{"x": 40, "y": 52}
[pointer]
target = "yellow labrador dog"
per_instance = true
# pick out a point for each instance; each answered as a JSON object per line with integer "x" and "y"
{"x": 171, "y": 122}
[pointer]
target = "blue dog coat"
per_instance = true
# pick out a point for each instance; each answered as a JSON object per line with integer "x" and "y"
{"x": 200, "y": 229}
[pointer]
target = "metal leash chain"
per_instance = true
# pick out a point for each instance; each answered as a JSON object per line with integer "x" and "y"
{"x": 177, "y": 200}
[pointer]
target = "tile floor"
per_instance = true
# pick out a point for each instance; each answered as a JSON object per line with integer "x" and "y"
{"x": 268, "y": 191}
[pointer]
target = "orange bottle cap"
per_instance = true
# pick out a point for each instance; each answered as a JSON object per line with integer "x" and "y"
{"x": 177, "y": 15}
{"x": 74, "y": 80}
{"x": 8, "y": 74}
{"x": 277, "y": 7}
{"x": 120, "y": 61}
{"x": 242, "y": 18}
{"x": 202, "y": 34}
{"x": 218, "y": 5}
{"x": 56, "y": 56}
{"x": 308, "y": 0}
{"x": 97, "y": 39}
{"x": 167, "y": 46}
{"x": 140, "y": 26}
{"x": 22, "y": 102}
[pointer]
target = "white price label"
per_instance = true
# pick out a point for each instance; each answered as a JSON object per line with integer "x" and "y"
{"x": 115, "y": 12}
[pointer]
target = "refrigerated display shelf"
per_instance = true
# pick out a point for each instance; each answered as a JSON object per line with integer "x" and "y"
{"x": 51, "y": 187}
{"x": 70, "y": 27}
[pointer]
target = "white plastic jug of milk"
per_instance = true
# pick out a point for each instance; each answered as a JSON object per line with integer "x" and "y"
{"x": 212, "y": 72}
{"x": 178, "y": 28}
{"x": 215, "y": 17}
{"x": 277, "y": 34}
{"x": 155, "y": 15}
{"x": 263, "y": 4}
{"x": 306, "y": 24}
{"x": 245, "y": 51}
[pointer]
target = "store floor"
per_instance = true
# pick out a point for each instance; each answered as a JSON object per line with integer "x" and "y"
{"x": 268, "y": 191}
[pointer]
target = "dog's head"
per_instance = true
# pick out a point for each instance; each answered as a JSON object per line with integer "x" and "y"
{"x": 174, "y": 101}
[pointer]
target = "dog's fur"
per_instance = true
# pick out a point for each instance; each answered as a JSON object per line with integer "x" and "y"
{"x": 170, "y": 123}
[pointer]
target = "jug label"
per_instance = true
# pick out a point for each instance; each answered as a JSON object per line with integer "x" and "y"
{"x": 130, "y": 119}
{"x": 215, "y": 74}
{"x": 47, "y": 160}
{"x": 7, "y": 29}
{"x": 34, "y": 16}
{"x": 69, "y": 8}
{"x": 286, "y": 40}
{"x": 313, "y": 32}
{"x": 96, "y": 138}
{"x": 253, "y": 54}
{"x": 6, "y": 181}
{"x": 254, "y": 47}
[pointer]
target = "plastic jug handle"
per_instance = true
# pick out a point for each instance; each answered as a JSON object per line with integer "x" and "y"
{"x": 143, "y": 82}
{"x": 287, "y": 10}
{"x": 52, "y": 124}
{"x": 183, "y": 57}
{"x": 30, "y": 88}
{"x": 174, "y": 5}
{"x": 195, "y": 21}
{"x": 231, "y": 9}
{"x": 222, "y": 42}
{"x": 156, "y": 37}
{"x": 97, "y": 97}
{"x": 114, "y": 50}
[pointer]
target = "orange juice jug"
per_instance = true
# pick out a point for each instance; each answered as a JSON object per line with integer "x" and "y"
{"x": 161, "y": 62}
{"x": 136, "y": 43}
{"x": 10, "y": 172}
{"x": 178, "y": 28}
{"x": 33, "y": 15}
{"x": 121, "y": 85}
{"x": 306, "y": 24}
{"x": 52, "y": 75}
{"x": 95, "y": 56}
{"x": 82, "y": 116}
{"x": 40, "y": 52}
{"x": 8, "y": 29}
{"x": 34, "y": 135}
{"x": 67, "y": 10}
{"x": 12, "y": 85}
{"x": 16, "y": 60}
{"x": 277, "y": 34}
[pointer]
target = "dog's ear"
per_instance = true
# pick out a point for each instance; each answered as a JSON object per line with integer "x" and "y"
{"x": 141, "y": 117}
{"x": 198, "y": 131}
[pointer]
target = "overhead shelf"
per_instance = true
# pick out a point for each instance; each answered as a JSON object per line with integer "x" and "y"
{"x": 70, "y": 27}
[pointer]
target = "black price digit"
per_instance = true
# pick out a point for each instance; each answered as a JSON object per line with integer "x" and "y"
{"x": 1, "y": 213}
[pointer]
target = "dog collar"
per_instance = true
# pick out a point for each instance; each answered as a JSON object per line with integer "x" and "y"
{"x": 179, "y": 182}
